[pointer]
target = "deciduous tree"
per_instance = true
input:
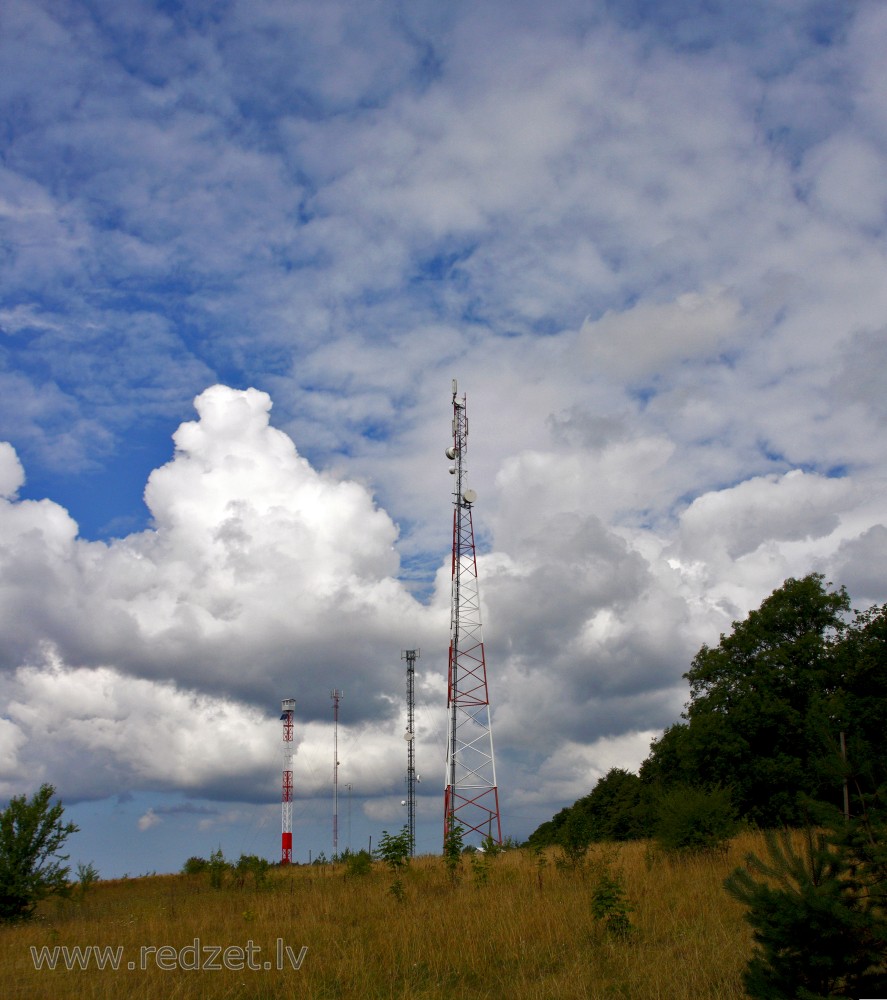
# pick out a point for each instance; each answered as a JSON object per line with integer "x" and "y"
{"x": 31, "y": 835}
{"x": 760, "y": 701}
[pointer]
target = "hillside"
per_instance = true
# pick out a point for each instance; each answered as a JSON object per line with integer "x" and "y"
{"x": 523, "y": 927}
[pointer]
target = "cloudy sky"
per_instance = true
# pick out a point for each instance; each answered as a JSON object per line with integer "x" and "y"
{"x": 246, "y": 247}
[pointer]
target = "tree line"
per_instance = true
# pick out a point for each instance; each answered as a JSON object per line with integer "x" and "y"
{"x": 788, "y": 710}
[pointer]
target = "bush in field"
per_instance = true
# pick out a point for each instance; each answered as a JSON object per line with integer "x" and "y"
{"x": 357, "y": 863}
{"x": 250, "y": 865}
{"x": 695, "y": 819}
{"x": 31, "y": 868}
{"x": 87, "y": 875}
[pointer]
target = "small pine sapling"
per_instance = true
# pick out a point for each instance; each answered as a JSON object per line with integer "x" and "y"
{"x": 819, "y": 920}
{"x": 609, "y": 901}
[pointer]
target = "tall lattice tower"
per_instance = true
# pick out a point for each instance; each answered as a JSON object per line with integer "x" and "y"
{"x": 287, "y": 706}
{"x": 471, "y": 800}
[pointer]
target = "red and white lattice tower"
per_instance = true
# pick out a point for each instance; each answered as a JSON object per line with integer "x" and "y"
{"x": 287, "y": 706}
{"x": 471, "y": 800}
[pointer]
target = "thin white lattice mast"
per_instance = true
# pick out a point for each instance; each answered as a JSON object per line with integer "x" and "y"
{"x": 336, "y": 695}
{"x": 287, "y": 706}
{"x": 411, "y": 655}
{"x": 471, "y": 800}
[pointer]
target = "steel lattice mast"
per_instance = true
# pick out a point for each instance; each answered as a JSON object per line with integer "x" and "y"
{"x": 287, "y": 707}
{"x": 471, "y": 800}
{"x": 411, "y": 655}
{"x": 336, "y": 695}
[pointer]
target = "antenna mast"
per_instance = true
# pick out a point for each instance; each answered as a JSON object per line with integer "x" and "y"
{"x": 471, "y": 799}
{"x": 336, "y": 695}
{"x": 411, "y": 655}
{"x": 287, "y": 707}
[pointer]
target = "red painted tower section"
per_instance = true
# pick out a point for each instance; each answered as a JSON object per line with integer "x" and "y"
{"x": 471, "y": 799}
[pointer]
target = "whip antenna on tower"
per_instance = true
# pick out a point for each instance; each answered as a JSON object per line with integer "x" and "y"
{"x": 471, "y": 799}
{"x": 287, "y": 706}
{"x": 411, "y": 655}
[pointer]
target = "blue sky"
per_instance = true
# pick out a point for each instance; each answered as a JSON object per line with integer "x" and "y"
{"x": 247, "y": 246}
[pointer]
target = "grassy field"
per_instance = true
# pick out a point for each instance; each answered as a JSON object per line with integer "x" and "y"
{"x": 528, "y": 931}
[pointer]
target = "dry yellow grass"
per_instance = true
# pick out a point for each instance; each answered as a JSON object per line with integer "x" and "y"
{"x": 527, "y": 934}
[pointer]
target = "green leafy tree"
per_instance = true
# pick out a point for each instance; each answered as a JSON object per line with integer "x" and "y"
{"x": 859, "y": 707}
{"x": 217, "y": 867}
{"x": 617, "y": 808}
{"x": 670, "y": 761}
{"x": 548, "y": 833}
{"x": 758, "y": 717}
{"x": 790, "y": 706}
{"x": 32, "y": 834}
{"x": 395, "y": 851}
{"x": 195, "y": 866}
{"x": 575, "y": 836}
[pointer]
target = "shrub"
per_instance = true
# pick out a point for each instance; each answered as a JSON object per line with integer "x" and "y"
{"x": 695, "y": 819}
{"x": 195, "y": 866}
{"x": 251, "y": 865}
{"x": 357, "y": 864}
{"x": 87, "y": 875}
